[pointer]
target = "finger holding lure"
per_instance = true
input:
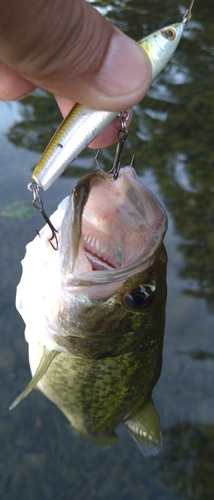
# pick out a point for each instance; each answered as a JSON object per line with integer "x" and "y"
{"x": 83, "y": 124}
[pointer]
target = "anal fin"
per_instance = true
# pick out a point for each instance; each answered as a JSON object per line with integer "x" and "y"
{"x": 144, "y": 427}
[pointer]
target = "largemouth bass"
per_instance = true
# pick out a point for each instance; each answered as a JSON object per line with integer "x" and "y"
{"x": 94, "y": 309}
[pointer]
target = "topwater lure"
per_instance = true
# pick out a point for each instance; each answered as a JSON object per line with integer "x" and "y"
{"x": 83, "y": 123}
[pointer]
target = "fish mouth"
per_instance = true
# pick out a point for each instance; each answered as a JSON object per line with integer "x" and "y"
{"x": 110, "y": 229}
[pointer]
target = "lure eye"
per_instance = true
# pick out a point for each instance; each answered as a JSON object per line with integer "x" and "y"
{"x": 169, "y": 34}
{"x": 138, "y": 299}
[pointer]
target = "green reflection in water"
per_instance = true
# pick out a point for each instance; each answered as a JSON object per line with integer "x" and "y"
{"x": 188, "y": 461}
{"x": 40, "y": 119}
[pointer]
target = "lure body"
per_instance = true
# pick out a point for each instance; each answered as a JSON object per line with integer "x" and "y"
{"x": 83, "y": 123}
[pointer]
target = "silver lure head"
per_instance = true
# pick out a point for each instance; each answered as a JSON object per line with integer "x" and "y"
{"x": 161, "y": 45}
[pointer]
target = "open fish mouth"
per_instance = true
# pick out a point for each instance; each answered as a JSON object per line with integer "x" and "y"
{"x": 113, "y": 227}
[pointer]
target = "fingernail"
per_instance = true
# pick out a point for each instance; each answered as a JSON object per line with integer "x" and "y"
{"x": 126, "y": 68}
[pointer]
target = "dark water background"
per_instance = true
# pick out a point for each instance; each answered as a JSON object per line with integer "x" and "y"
{"x": 172, "y": 138}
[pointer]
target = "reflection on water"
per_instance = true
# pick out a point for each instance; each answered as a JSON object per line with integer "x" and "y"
{"x": 40, "y": 118}
{"x": 40, "y": 454}
{"x": 187, "y": 466}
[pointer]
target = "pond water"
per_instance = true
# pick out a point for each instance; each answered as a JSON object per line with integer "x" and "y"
{"x": 171, "y": 136}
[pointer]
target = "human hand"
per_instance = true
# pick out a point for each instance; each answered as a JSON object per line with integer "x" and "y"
{"x": 69, "y": 49}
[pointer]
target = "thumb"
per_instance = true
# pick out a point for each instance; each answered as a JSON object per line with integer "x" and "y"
{"x": 73, "y": 51}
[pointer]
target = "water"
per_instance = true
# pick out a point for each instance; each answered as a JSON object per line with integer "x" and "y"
{"x": 172, "y": 138}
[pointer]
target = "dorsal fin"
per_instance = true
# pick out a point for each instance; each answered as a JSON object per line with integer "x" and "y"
{"x": 144, "y": 427}
{"x": 45, "y": 361}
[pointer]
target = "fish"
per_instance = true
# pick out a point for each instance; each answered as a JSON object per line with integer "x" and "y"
{"x": 83, "y": 124}
{"x": 94, "y": 309}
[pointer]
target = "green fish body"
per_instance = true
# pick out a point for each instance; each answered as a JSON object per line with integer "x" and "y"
{"x": 95, "y": 315}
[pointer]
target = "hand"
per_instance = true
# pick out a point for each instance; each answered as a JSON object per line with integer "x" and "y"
{"x": 69, "y": 49}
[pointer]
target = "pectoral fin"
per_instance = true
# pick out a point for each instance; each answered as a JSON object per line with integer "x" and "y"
{"x": 46, "y": 360}
{"x": 144, "y": 426}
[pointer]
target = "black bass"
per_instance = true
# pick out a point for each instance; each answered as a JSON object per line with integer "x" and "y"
{"x": 94, "y": 310}
{"x": 83, "y": 124}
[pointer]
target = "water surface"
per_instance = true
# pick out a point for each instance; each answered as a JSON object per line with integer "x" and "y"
{"x": 172, "y": 138}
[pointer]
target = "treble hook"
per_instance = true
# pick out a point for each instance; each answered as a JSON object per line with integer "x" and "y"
{"x": 122, "y": 135}
{"x": 38, "y": 204}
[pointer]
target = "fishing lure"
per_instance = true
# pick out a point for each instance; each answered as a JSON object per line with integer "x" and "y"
{"x": 83, "y": 123}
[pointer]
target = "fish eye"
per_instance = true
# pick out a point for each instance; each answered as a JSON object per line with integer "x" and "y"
{"x": 169, "y": 33}
{"x": 138, "y": 299}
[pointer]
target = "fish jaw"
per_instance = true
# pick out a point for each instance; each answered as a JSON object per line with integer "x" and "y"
{"x": 121, "y": 226}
